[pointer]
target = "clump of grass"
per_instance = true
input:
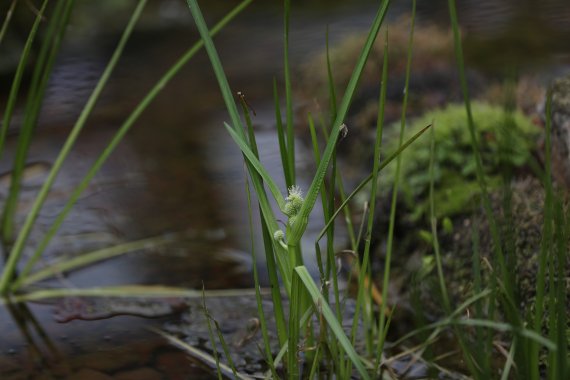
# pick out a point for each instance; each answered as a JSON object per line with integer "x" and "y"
{"x": 482, "y": 167}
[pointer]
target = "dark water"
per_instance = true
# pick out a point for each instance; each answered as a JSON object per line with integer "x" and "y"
{"x": 178, "y": 170}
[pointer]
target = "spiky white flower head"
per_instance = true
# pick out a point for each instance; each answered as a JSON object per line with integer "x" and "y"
{"x": 294, "y": 192}
{"x": 294, "y": 201}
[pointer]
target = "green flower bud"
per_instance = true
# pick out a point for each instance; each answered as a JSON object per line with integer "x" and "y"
{"x": 278, "y": 235}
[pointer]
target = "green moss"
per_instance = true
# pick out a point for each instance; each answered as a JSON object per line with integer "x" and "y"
{"x": 506, "y": 140}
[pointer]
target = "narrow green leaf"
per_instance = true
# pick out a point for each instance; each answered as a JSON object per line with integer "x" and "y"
{"x": 252, "y": 159}
{"x": 288, "y": 95}
{"x": 365, "y": 181}
{"x": 127, "y": 291}
{"x": 313, "y": 191}
{"x": 7, "y": 20}
{"x": 328, "y": 314}
{"x": 86, "y": 259}
{"x": 16, "y": 82}
{"x": 201, "y": 355}
{"x": 281, "y": 137}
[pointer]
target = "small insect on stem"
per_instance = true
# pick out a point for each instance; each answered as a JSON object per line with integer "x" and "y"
{"x": 244, "y": 100}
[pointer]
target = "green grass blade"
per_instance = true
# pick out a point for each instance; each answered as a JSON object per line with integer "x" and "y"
{"x": 17, "y": 81}
{"x": 281, "y": 137}
{"x": 68, "y": 145}
{"x": 393, "y": 206}
{"x": 124, "y": 291}
{"x": 546, "y": 244}
{"x": 365, "y": 181}
{"x": 373, "y": 190}
{"x": 558, "y": 329}
{"x": 328, "y": 314}
{"x": 269, "y": 218}
{"x": 254, "y": 161}
{"x": 260, "y": 311}
{"x": 314, "y": 189}
{"x": 213, "y": 341}
{"x": 295, "y": 309}
{"x": 288, "y": 95}
{"x": 216, "y": 65}
{"x": 269, "y": 251}
{"x": 42, "y": 70}
{"x": 225, "y": 347}
{"x": 7, "y": 20}
{"x": 201, "y": 355}
{"x": 495, "y": 234}
{"x": 86, "y": 259}
{"x": 363, "y": 299}
{"x": 125, "y": 127}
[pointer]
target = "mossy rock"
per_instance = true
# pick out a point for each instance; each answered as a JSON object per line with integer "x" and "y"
{"x": 506, "y": 140}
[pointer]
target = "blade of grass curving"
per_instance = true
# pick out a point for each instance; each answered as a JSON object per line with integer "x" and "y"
{"x": 482, "y": 369}
{"x": 212, "y": 340}
{"x": 86, "y": 259}
{"x": 433, "y": 222}
{"x": 295, "y": 308}
{"x": 68, "y": 145}
{"x": 124, "y": 291}
{"x": 342, "y": 197}
{"x": 17, "y": 81}
{"x": 281, "y": 137}
{"x": 260, "y": 312}
{"x": 125, "y": 127}
{"x": 495, "y": 234}
{"x": 328, "y": 314}
{"x": 284, "y": 347}
{"x": 254, "y": 161}
{"x": 216, "y": 66}
{"x": 365, "y": 181}
{"x": 546, "y": 244}
{"x": 484, "y": 340}
{"x": 280, "y": 253}
{"x": 363, "y": 270}
{"x": 201, "y": 355}
{"x": 268, "y": 245}
{"x": 7, "y": 20}
{"x": 559, "y": 329}
{"x": 288, "y": 94}
{"x": 330, "y": 79}
{"x": 317, "y": 158}
{"x": 225, "y": 347}
{"x": 42, "y": 71}
{"x": 509, "y": 362}
{"x": 393, "y": 206}
{"x": 332, "y": 353}
{"x": 373, "y": 190}
{"x": 312, "y": 193}
{"x": 497, "y": 326}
